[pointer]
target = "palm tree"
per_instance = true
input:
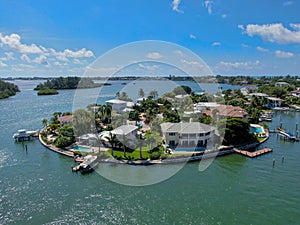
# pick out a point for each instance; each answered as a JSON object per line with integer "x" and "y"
{"x": 153, "y": 94}
{"x": 141, "y": 93}
{"x": 44, "y": 122}
{"x": 124, "y": 142}
{"x": 112, "y": 139}
{"x": 140, "y": 144}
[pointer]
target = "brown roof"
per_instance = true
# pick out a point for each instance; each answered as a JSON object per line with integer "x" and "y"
{"x": 65, "y": 119}
{"x": 227, "y": 111}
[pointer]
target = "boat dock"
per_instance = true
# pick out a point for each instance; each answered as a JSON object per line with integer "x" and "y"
{"x": 253, "y": 154}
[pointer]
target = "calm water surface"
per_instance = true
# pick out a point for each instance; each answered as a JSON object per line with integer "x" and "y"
{"x": 38, "y": 187}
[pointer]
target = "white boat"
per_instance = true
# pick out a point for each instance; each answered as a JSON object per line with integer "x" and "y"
{"x": 88, "y": 164}
{"x": 24, "y": 135}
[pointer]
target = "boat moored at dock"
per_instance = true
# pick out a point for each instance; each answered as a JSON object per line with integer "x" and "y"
{"x": 24, "y": 135}
{"x": 88, "y": 164}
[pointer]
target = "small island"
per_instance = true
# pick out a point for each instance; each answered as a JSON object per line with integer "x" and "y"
{"x": 51, "y": 86}
{"x": 7, "y": 89}
{"x": 47, "y": 92}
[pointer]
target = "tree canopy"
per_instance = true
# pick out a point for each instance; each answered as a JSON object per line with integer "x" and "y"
{"x": 67, "y": 83}
{"x": 7, "y": 89}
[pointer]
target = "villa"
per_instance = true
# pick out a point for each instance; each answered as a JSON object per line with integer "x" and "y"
{"x": 192, "y": 134}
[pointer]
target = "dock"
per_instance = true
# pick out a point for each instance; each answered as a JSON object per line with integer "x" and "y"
{"x": 255, "y": 153}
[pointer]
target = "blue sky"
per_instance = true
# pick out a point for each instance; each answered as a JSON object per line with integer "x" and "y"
{"x": 53, "y": 38}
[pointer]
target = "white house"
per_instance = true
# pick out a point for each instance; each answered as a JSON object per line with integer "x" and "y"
{"x": 296, "y": 93}
{"x": 128, "y": 132}
{"x": 120, "y": 106}
{"x": 192, "y": 134}
{"x": 273, "y": 102}
{"x": 117, "y": 104}
{"x": 281, "y": 84}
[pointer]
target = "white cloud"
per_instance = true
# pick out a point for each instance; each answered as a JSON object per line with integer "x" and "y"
{"x": 178, "y": 52}
{"x": 175, "y": 5}
{"x": 192, "y": 36}
{"x": 77, "y": 61}
{"x": 282, "y": 54}
{"x": 2, "y": 64}
{"x": 245, "y": 46}
{"x": 41, "y": 60}
{"x": 57, "y": 63}
{"x": 275, "y": 33}
{"x": 154, "y": 55}
{"x": 13, "y": 41}
{"x": 216, "y": 43}
{"x": 296, "y": 27}
{"x": 25, "y": 58}
{"x": 9, "y": 55}
{"x": 224, "y": 16}
{"x": 261, "y": 49}
{"x": 239, "y": 65}
{"x": 148, "y": 67}
{"x": 67, "y": 53}
{"x": 208, "y": 5}
{"x": 288, "y": 3}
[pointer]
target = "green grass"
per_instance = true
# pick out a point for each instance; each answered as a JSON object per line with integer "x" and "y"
{"x": 134, "y": 155}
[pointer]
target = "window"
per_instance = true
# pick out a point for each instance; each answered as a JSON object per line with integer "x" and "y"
{"x": 201, "y": 135}
{"x": 172, "y": 134}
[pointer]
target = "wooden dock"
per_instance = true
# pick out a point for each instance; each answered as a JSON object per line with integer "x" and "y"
{"x": 255, "y": 153}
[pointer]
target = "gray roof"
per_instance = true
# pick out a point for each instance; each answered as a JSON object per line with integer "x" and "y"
{"x": 116, "y": 101}
{"x": 124, "y": 129}
{"x": 186, "y": 128}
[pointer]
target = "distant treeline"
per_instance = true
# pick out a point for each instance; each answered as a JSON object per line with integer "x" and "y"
{"x": 259, "y": 81}
{"x": 7, "y": 89}
{"x": 68, "y": 83}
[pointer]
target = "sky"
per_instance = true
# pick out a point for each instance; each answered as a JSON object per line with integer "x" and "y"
{"x": 230, "y": 37}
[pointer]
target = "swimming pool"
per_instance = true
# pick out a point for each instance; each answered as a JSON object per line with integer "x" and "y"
{"x": 81, "y": 149}
{"x": 256, "y": 130}
{"x": 195, "y": 149}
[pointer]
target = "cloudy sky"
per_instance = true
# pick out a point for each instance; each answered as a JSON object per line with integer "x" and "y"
{"x": 53, "y": 38}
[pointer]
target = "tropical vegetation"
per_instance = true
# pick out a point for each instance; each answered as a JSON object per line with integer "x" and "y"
{"x": 7, "y": 89}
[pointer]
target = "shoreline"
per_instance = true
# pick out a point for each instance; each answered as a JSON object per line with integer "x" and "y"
{"x": 207, "y": 155}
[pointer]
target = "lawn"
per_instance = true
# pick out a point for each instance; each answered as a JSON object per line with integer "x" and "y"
{"x": 134, "y": 155}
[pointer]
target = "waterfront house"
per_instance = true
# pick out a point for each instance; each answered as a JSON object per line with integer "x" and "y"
{"x": 249, "y": 89}
{"x": 127, "y": 132}
{"x": 273, "y": 102}
{"x": 63, "y": 120}
{"x": 88, "y": 139}
{"x": 187, "y": 134}
{"x": 226, "y": 111}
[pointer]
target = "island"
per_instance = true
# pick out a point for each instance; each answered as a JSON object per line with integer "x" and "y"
{"x": 51, "y": 86}
{"x": 8, "y": 89}
{"x": 178, "y": 126}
